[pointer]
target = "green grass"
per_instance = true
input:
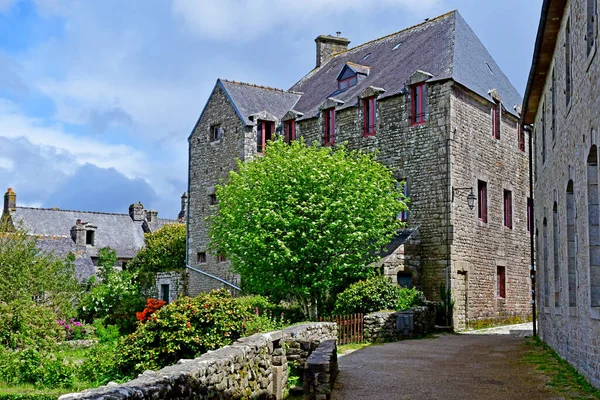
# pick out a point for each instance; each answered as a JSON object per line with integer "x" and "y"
{"x": 562, "y": 376}
{"x": 344, "y": 348}
{"x": 493, "y": 322}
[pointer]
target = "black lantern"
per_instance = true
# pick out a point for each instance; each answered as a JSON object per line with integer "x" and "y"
{"x": 470, "y": 197}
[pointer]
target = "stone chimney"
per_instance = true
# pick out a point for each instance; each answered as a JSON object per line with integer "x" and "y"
{"x": 10, "y": 201}
{"x": 78, "y": 233}
{"x": 151, "y": 215}
{"x": 328, "y": 46}
{"x": 137, "y": 212}
{"x": 184, "y": 205}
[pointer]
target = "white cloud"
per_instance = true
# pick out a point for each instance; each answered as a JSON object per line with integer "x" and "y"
{"x": 6, "y": 163}
{"x": 247, "y": 19}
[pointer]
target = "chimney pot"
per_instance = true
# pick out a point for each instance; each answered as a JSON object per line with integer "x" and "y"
{"x": 338, "y": 33}
{"x": 10, "y": 201}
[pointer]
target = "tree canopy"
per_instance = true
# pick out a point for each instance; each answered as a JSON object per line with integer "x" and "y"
{"x": 164, "y": 251}
{"x": 305, "y": 221}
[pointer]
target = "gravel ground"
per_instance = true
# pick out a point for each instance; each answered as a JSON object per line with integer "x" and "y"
{"x": 474, "y": 365}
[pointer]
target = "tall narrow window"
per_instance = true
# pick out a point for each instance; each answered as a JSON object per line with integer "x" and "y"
{"x": 591, "y": 25}
{"x": 419, "y": 104}
{"x": 555, "y": 248}
{"x": 521, "y": 138}
{"x": 543, "y": 129}
{"x": 593, "y": 226}
{"x": 529, "y": 215}
{"x": 264, "y": 133}
{"x": 545, "y": 266}
{"x": 482, "y": 200}
{"x": 501, "y": 282}
{"x": 216, "y": 133}
{"x": 568, "y": 62}
{"x": 571, "y": 243}
{"x": 508, "y": 209}
{"x": 290, "y": 131}
{"x": 164, "y": 293}
{"x": 553, "y": 97}
{"x": 403, "y": 216}
{"x": 496, "y": 112}
{"x": 89, "y": 237}
{"x": 328, "y": 127}
{"x": 370, "y": 116}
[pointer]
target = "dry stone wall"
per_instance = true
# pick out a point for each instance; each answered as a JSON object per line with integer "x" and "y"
{"x": 252, "y": 367}
{"x": 381, "y": 326}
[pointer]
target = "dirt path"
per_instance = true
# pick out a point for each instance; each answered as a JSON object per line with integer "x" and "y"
{"x": 478, "y": 366}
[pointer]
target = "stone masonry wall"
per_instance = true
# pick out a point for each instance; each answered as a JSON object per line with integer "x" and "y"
{"x": 478, "y": 248}
{"x": 567, "y": 320}
{"x": 415, "y": 153}
{"x": 381, "y": 326}
{"x": 252, "y": 367}
{"x": 210, "y": 163}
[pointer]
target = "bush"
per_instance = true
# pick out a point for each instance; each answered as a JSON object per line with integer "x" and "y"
{"x": 100, "y": 365}
{"x": 265, "y": 322}
{"x": 185, "y": 328}
{"x": 24, "y": 324}
{"x": 152, "y": 305}
{"x": 291, "y": 313}
{"x": 74, "y": 330}
{"x": 106, "y": 333}
{"x": 376, "y": 294}
{"x": 41, "y": 369}
{"x": 116, "y": 299}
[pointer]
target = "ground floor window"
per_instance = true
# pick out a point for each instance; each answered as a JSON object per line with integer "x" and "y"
{"x": 501, "y": 282}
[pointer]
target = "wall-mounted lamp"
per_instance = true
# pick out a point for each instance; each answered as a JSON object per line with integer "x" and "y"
{"x": 470, "y": 197}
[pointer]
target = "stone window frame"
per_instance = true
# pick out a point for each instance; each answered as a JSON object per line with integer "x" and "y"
{"x": 520, "y": 137}
{"x": 201, "y": 257}
{"x": 290, "y": 130}
{"x": 571, "y": 219}
{"x": 221, "y": 257}
{"x": 216, "y": 133}
{"x": 556, "y": 240}
{"x": 261, "y": 133}
{"x": 507, "y": 209}
{"x": 212, "y": 199}
{"x": 482, "y": 201}
{"x": 496, "y": 119}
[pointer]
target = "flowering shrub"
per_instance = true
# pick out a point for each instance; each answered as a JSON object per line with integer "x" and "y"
{"x": 74, "y": 330}
{"x": 185, "y": 328}
{"x": 152, "y": 305}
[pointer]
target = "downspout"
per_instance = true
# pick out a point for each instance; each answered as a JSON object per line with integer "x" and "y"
{"x": 532, "y": 232}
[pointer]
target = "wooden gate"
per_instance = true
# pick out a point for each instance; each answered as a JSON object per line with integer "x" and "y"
{"x": 350, "y": 327}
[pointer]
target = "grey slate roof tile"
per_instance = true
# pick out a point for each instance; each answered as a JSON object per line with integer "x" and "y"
{"x": 250, "y": 99}
{"x": 117, "y": 231}
{"x": 61, "y": 246}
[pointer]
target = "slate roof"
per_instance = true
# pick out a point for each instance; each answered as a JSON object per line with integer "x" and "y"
{"x": 61, "y": 246}
{"x": 118, "y": 231}
{"x": 398, "y": 241}
{"x": 156, "y": 225}
{"x": 249, "y": 99}
{"x": 445, "y": 47}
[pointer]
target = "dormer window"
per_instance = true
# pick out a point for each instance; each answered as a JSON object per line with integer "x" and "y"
{"x": 348, "y": 82}
{"x": 89, "y": 237}
{"x": 348, "y": 77}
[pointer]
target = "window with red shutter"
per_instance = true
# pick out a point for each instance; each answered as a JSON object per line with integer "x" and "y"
{"x": 264, "y": 133}
{"x": 508, "y": 209}
{"x": 496, "y": 120}
{"x": 501, "y": 282}
{"x": 328, "y": 127}
{"x": 290, "y": 131}
{"x": 370, "y": 116}
{"x": 419, "y": 105}
{"x": 482, "y": 199}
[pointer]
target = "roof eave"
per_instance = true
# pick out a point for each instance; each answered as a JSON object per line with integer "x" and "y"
{"x": 550, "y": 21}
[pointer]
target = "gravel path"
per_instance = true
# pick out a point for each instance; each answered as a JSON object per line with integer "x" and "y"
{"x": 484, "y": 365}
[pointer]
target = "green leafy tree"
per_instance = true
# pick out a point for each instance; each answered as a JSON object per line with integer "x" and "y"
{"x": 303, "y": 222}
{"x": 107, "y": 258}
{"x": 164, "y": 250}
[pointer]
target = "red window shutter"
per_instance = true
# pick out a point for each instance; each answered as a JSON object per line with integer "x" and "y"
{"x": 485, "y": 219}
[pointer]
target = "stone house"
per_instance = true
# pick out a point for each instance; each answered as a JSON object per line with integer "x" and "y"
{"x": 561, "y": 102}
{"x": 84, "y": 233}
{"x": 443, "y": 117}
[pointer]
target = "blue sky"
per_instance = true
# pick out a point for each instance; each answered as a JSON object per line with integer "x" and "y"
{"x": 97, "y": 98}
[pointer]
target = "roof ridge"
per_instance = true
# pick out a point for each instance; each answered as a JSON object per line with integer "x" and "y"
{"x": 427, "y": 21}
{"x": 78, "y": 211}
{"x": 259, "y": 86}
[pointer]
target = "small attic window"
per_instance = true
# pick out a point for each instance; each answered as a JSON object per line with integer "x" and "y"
{"x": 396, "y": 46}
{"x": 89, "y": 237}
{"x": 366, "y": 56}
{"x": 347, "y": 78}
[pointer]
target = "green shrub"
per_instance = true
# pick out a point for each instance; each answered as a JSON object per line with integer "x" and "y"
{"x": 185, "y": 328}
{"x": 116, "y": 299}
{"x": 376, "y": 294}
{"x": 106, "y": 333}
{"x": 24, "y": 324}
{"x": 100, "y": 365}
{"x": 264, "y": 322}
{"x": 41, "y": 369}
{"x": 291, "y": 312}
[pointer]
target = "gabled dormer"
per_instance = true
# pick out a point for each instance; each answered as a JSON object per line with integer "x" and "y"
{"x": 350, "y": 75}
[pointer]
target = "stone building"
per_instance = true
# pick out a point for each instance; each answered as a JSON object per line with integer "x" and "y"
{"x": 84, "y": 233}
{"x": 562, "y": 103}
{"x": 443, "y": 117}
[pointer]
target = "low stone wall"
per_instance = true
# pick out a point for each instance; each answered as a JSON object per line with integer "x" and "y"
{"x": 321, "y": 370}
{"x": 381, "y": 326}
{"x": 252, "y": 367}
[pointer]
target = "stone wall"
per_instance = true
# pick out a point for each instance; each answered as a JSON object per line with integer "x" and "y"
{"x": 381, "y": 326}
{"x": 321, "y": 370}
{"x": 252, "y": 367}
{"x": 478, "y": 247}
{"x": 568, "y": 320}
